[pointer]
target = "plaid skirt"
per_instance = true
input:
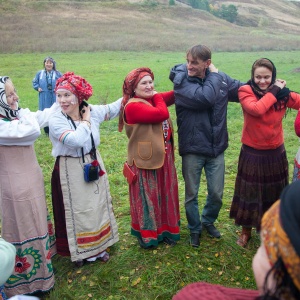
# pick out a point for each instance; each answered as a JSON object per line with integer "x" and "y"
{"x": 261, "y": 176}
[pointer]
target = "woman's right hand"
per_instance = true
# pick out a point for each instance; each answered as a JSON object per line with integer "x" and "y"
{"x": 40, "y": 90}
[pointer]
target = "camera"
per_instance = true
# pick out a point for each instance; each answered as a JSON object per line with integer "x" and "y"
{"x": 91, "y": 173}
{"x": 49, "y": 86}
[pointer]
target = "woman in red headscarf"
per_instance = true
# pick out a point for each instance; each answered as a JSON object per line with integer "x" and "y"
{"x": 85, "y": 224}
{"x": 150, "y": 168}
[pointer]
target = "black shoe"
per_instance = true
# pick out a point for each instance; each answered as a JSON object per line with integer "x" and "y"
{"x": 195, "y": 239}
{"x": 169, "y": 242}
{"x": 79, "y": 263}
{"x": 143, "y": 245}
{"x": 212, "y": 231}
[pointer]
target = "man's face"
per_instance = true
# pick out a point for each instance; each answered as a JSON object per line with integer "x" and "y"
{"x": 197, "y": 67}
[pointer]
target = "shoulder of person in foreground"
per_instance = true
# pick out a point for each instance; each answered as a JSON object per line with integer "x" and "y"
{"x": 106, "y": 112}
{"x": 7, "y": 261}
{"x": 207, "y": 291}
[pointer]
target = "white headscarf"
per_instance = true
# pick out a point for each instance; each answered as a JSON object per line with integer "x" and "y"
{"x": 5, "y": 109}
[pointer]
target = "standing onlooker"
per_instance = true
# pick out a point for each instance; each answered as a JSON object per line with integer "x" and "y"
{"x": 25, "y": 220}
{"x": 44, "y": 82}
{"x": 296, "y": 174}
{"x": 85, "y": 224}
{"x": 263, "y": 166}
{"x": 154, "y": 203}
{"x": 201, "y": 97}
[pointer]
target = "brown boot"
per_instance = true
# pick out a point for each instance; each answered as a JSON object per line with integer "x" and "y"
{"x": 244, "y": 237}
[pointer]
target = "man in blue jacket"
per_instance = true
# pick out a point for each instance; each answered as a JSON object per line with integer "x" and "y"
{"x": 201, "y": 97}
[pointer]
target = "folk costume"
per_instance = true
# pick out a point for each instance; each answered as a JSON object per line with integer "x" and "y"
{"x": 263, "y": 166}
{"x": 154, "y": 203}
{"x": 25, "y": 219}
{"x": 85, "y": 224}
{"x": 46, "y": 81}
{"x": 7, "y": 264}
{"x": 280, "y": 228}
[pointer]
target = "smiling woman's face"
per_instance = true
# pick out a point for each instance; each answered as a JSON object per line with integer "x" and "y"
{"x": 145, "y": 87}
{"x": 11, "y": 95}
{"x": 263, "y": 77}
{"x": 67, "y": 101}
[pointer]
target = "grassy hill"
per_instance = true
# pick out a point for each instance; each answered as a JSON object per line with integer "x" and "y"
{"x": 59, "y": 26}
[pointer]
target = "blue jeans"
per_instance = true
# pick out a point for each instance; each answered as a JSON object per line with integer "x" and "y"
{"x": 192, "y": 165}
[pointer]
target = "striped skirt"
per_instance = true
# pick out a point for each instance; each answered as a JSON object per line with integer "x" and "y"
{"x": 261, "y": 176}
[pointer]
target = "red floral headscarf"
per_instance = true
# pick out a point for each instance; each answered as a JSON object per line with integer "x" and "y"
{"x": 131, "y": 81}
{"x": 77, "y": 85}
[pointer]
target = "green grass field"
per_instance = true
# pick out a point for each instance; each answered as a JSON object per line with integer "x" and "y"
{"x": 134, "y": 273}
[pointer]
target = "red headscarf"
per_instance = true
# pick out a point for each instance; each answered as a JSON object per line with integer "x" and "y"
{"x": 131, "y": 81}
{"x": 76, "y": 85}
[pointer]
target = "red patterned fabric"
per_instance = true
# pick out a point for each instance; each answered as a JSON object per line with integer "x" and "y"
{"x": 206, "y": 291}
{"x": 154, "y": 204}
{"x": 77, "y": 85}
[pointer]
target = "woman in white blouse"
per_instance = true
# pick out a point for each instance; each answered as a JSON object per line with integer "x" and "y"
{"x": 25, "y": 220}
{"x": 84, "y": 220}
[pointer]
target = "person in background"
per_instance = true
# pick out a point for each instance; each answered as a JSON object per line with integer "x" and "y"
{"x": 276, "y": 264}
{"x": 154, "y": 203}
{"x": 201, "y": 98}
{"x": 296, "y": 173}
{"x": 25, "y": 219}
{"x": 44, "y": 82}
{"x": 85, "y": 224}
{"x": 262, "y": 167}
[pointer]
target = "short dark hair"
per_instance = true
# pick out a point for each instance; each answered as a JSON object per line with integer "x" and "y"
{"x": 199, "y": 52}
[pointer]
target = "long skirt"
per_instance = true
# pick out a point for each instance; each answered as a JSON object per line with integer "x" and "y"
{"x": 261, "y": 176}
{"x": 25, "y": 221}
{"x": 154, "y": 203}
{"x": 84, "y": 221}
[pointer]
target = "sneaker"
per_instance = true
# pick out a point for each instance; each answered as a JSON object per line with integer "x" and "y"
{"x": 195, "y": 239}
{"x": 212, "y": 231}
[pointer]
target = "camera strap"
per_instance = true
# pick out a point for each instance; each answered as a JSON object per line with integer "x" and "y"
{"x": 93, "y": 150}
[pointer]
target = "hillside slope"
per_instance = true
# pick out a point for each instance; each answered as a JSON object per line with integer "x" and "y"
{"x": 40, "y": 26}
